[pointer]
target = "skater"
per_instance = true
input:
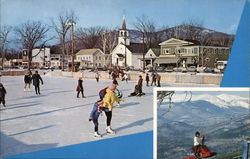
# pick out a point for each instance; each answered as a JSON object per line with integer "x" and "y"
{"x": 147, "y": 79}
{"x": 94, "y": 115}
{"x": 125, "y": 77}
{"x": 36, "y": 82}
{"x": 139, "y": 84}
{"x": 153, "y": 78}
{"x": 108, "y": 101}
{"x": 2, "y": 94}
{"x": 79, "y": 88}
{"x": 27, "y": 80}
{"x": 97, "y": 77}
{"x": 197, "y": 144}
{"x": 158, "y": 78}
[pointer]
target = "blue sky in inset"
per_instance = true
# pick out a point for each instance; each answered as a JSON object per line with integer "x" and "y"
{"x": 219, "y": 15}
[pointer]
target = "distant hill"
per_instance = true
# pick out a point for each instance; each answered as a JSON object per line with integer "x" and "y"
{"x": 207, "y": 36}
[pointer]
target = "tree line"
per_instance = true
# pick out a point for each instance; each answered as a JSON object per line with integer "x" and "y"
{"x": 34, "y": 34}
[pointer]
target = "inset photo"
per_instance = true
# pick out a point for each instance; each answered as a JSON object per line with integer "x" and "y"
{"x": 196, "y": 123}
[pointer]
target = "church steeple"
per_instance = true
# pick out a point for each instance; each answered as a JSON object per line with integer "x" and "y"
{"x": 124, "y": 23}
{"x": 123, "y": 34}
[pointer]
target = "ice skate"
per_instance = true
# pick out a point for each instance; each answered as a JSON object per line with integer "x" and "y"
{"x": 97, "y": 135}
{"x": 109, "y": 130}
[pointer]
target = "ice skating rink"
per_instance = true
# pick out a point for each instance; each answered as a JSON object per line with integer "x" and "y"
{"x": 57, "y": 118}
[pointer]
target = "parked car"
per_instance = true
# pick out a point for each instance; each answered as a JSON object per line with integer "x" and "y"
{"x": 160, "y": 69}
{"x": 169, "y": 69}
{"x": 191, "y": 69}
{"x": 209, "y": 70}
{"x": 183, "y": 69}
{"x": 200, "y": 69}
{"x": 177, "y": 69}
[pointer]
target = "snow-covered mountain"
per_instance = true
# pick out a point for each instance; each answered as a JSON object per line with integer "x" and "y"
{"x": 224, "y": 100}
{"x": 204, "y": 110}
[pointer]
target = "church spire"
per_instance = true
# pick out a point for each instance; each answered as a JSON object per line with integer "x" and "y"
{"x": 124, "y": 23}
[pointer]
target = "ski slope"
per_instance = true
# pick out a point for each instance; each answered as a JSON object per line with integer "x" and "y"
{"x": 57, "y": 118}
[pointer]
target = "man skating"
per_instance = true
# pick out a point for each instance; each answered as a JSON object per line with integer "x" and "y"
{"x": 36, "y": 82}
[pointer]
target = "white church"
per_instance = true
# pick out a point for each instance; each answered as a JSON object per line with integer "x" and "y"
{"x": 127, "y": 53}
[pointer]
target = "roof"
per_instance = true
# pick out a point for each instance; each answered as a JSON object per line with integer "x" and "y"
{"x": 185, "y": 42}
{"x": 87, "y": 51}
{"x": 120, "y": 55}
{"x": 137, "y": 47}
{"x": 195, "y": 42}
{"x": 157, "y": 51}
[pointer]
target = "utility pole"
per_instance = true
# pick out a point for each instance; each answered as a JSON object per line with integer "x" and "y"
{"x": 71, "y": 23}
{"x": 143, "y": 54}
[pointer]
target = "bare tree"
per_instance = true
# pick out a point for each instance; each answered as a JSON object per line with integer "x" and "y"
{"x": 147, "y": 28}
{"x": 192, "y": 29}
{"x": 31, "y": 35}
{"x": 90, "y": 37}
{"x": 61, "y": 27}
{"x": 109, "y": 40}
{"x": 4, "y": 32}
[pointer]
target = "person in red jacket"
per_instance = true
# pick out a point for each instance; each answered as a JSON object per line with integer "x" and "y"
{"x": 139, "y": 84}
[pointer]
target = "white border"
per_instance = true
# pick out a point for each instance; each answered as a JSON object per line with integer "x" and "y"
{"x": 236, "y": 89}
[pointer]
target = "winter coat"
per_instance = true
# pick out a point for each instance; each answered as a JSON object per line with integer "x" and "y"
{"x": 79, "y": 86}
{"x": 140, "y": 82}
{"x": 2, "y": 92}
{"x": 197, "y": 141}
{"x": 109, "y": 99}
{"x": 36, "y": 79}
{"x": 27, "y": 79}
{"x": 95, "y": 113}
{"x": 158, "y": 77}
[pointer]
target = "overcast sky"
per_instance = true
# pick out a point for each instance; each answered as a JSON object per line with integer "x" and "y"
{"x": 219, "y": 15}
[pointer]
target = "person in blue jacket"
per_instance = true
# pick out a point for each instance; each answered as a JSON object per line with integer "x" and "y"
{"x": 94, "y": 115}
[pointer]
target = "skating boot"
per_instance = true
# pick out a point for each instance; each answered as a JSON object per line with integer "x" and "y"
{"x": 97, "y": 135}
{"x": 109, "y": 130}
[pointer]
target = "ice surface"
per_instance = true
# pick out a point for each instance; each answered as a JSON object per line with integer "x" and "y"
{"x": 57, "y": 118}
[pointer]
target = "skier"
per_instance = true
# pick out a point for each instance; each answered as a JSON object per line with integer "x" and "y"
{"x": 147, "y": 79}
{"x": 198, "y": 140}
{"x": 97, "y": 76}
{"x": 36, "y": 82}
{"x": 139, "y": 84}
{"x": 79, "y": 88}
{"x": 2, "y": 94}
{"x": 94, "y": 115}
{"x": 27, "y": 80}
{"x": 158, "y": 78}
{"x": 108, "y": 101}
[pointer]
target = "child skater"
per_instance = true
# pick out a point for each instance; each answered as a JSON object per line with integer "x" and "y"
{"x": 94, "y": 115}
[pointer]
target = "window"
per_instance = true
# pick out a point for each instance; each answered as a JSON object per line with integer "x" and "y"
{"x": 96, "y": 57}
{"x": 207, "y": 59}
{"x": 195, "y": 50}
{"x": 166, "y": 51}
{"x": 100, "y": 58}
{"x": 106, "y": 58}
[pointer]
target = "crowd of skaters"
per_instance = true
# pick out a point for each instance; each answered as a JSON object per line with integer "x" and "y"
{"x": 107, "y": 99}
